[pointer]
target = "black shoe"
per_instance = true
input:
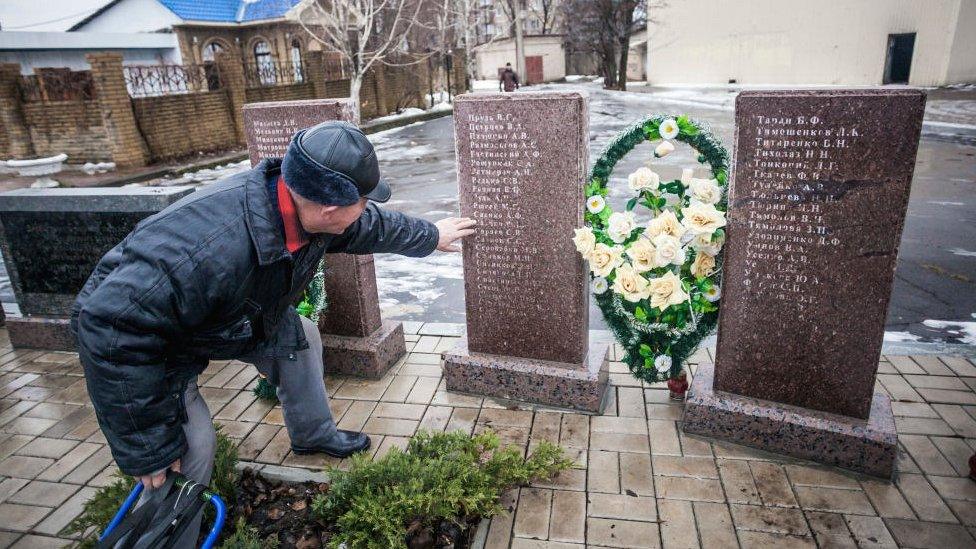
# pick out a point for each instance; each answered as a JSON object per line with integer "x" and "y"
{"x": 342, "y": 444}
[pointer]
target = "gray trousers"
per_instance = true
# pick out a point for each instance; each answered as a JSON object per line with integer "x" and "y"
{"x": 301, "y": 390}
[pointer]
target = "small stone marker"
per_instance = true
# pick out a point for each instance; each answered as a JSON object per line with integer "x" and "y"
{"x": 818, "y": 200}
{"x": 355, "y": 339}
{"x": 521, "y": 166}
{"x": 51, "y": 241}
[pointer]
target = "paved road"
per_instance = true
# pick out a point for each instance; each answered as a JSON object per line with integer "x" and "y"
{"x": 936, "y": 273}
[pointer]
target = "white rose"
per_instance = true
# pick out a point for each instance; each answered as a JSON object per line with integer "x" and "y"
{"x": 595, "y": 204}
{"x": 641, "y": 253}
{"x": 667, "y": 251}
{"x": 664, "y": 149}
{"x": 686, "y": 175}
{"x": 620, "y": 225}
{"x": 713, "y": 294}
{"x": 666, "y": 291}
{"x": 701, "y": 218}
{"x": 665, "y": 223}
{"x": 662, "y": 363}
{"x": 705, "y": 243}
{"x": 668, "y": 128}
{"x": 599, "y": 285}
{"x": 585, "y": 240}
{"x": 703, "y": 266}
{"x": 630, "y": 284}
{"x": 604, "y": 259}
{"x": 704, "y": 190}
{"x": 643, "y": 178}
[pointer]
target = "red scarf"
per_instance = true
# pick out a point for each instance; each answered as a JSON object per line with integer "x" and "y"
{"x": 295, "y": 236}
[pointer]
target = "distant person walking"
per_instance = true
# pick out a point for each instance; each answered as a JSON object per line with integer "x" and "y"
{"x": 508, "y": 80}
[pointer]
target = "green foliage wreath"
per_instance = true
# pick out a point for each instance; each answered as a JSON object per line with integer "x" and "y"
{"x": 658, "y": 285}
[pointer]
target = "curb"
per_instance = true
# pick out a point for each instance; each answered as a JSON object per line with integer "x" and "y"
{"x": 374, "y": 127}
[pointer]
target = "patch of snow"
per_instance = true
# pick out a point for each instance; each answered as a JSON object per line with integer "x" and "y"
{"x": 965, "y": 332}
{"x": 943, "y": 203}
{"x": 962, "y": 252}
{"x": 577, "y": 77}
{"x": 440, "y": 107}
{"x": 415, "y": 277}
{"x": 900, "y": 337}
{"x": 484, "y": 85}
{"x": 409, "y": 111}
{"x": 45, "y": 183}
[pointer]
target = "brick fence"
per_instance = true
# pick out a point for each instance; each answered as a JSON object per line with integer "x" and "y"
{"x": 138, "y": 115}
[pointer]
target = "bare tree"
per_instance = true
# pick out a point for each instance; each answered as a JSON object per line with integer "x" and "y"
{"x": 545, "y": 11}
{"x": 365, "y": 33}
{"x": 603, "y": 28}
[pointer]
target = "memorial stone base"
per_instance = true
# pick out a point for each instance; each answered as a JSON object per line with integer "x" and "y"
{"x": 370, "y": 357}
{"x": 867, "y": 446}
{"x": 577, "y": 386}
{"x": 41, "y": 332}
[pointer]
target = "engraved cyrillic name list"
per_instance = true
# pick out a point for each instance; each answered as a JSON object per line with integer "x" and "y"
{"x": 271, "y": 137}
{"x": 792, "y": 163}
{"x": 503, "y": 154}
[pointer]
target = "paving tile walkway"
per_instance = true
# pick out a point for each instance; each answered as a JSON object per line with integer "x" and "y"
{"x": 638, "y": 481}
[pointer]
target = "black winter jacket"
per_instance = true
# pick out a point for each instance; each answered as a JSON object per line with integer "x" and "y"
{"x": 209, "y": 277}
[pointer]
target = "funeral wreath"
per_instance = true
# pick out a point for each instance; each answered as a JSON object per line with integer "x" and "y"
{"x": 658, "y": 283}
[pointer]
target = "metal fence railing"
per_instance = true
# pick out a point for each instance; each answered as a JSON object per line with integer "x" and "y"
{"x": 56, "y": 85}
{"x": 155, "y": 80}
{"x": 271, "y": 72}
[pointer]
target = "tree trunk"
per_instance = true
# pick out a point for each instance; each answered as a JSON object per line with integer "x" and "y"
{"x": 355, "y": 85}
{"x": 622, "y": 68}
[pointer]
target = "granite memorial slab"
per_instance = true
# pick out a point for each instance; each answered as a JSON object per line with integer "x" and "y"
{"x": 521, "y": 161}
{"x": 355, "y": 339}
{"x": 52, "y": 239}
{"x": 817, "y": 203}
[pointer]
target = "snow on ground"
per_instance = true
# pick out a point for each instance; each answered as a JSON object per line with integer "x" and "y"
{"x": 900, "y": 337}
{"x": 965, "y": 332}
{"x": 962, "y": 252}
{"x": 410, "y": 285}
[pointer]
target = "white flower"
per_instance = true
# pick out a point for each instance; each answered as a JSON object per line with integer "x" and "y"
{"x": 713, "y": 293}
{"x": 665, "y": 223}
{"x": 668, "y": 128}
{"x": 667, "y": 251}
{"x": 595, "y": 204}
{"x": 630, "y": 284}
{"x": 705, "y": 243}
{"x": 701, "y": 218}
{"x": 686, "y": 175}
{"x": 704, "y": 265}
{"x": 620, "y": 225}
{"x": 599, "y": 285}
{"x": 643, "y": 178}
{"x": 662, "y": 363}
{"x": 664, "y": 149}
{"x": 585, "y": 240}
{"x": 641, "y": 253}
{"x": 666, "y": 291}
{"x": 604, "y": 259}
{"x": 704, "y": 190}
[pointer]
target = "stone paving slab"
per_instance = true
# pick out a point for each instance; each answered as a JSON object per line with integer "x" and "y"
{"x": 638, "y": 481}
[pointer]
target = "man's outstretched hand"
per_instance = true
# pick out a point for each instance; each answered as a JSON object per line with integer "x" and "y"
{"x": 157, "y": 479}
{"x": 451, "y": 230}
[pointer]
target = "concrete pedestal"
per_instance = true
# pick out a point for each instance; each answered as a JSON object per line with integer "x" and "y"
{"x": 41, "y": 332}
{"x": 578, "y": 386}
{"x": 867, "y": 446}
{"x": 370, "y": 356}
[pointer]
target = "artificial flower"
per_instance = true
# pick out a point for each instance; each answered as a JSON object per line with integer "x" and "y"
{"x": 595, "y": 204}
{"x": 604, "y": 259}
{"x": 665, "y": 223}
{"x": 704, "y": 190}
{"x": 641, "y": 253}
{"x": 703, "y": 265}
{"x": 668, "y": 128}
{"x": 664, "y": 149}
{"x": 686, "y": 175}
{"x": 643, "y": 178}
{"x": 620, "y": 225}
{"x": 585, "y": 240}
{"x": 701, "y": 218}
{"x": 667, "y": 251}
{"x": 662, "y": 363}
{"x": 599, "y": 285}
{"x": 630, "y": 284}
{"x": 713, "y": 293}
{"x": 666, "y": 291}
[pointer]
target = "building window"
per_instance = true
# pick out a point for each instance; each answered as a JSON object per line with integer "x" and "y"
{"x": 210, "y": 50}
{"x": 296, "y": 60}
{"x": 264, "y": 63}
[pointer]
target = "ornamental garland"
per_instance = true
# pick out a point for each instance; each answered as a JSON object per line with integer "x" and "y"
{"x": 658, "y": 285}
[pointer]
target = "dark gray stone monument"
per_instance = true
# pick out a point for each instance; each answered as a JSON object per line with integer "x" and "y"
{"x": 51, "y": 241}
{"x": 521, "y": 167}
{"x": 355, "y": 339}
{"x": 818, "y": 199}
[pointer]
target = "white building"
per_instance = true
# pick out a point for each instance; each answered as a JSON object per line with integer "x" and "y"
{"x": 545, "y": 58}
{"x": 801, "y": 42}
{"x": 67, "y": 49}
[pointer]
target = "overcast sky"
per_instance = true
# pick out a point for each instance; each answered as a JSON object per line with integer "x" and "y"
{"x": 45, "y": 15}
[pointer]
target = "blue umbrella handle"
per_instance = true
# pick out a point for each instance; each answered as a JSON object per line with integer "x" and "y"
{"x": 120, "y": 514}
{"x": 218, "y": 524}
